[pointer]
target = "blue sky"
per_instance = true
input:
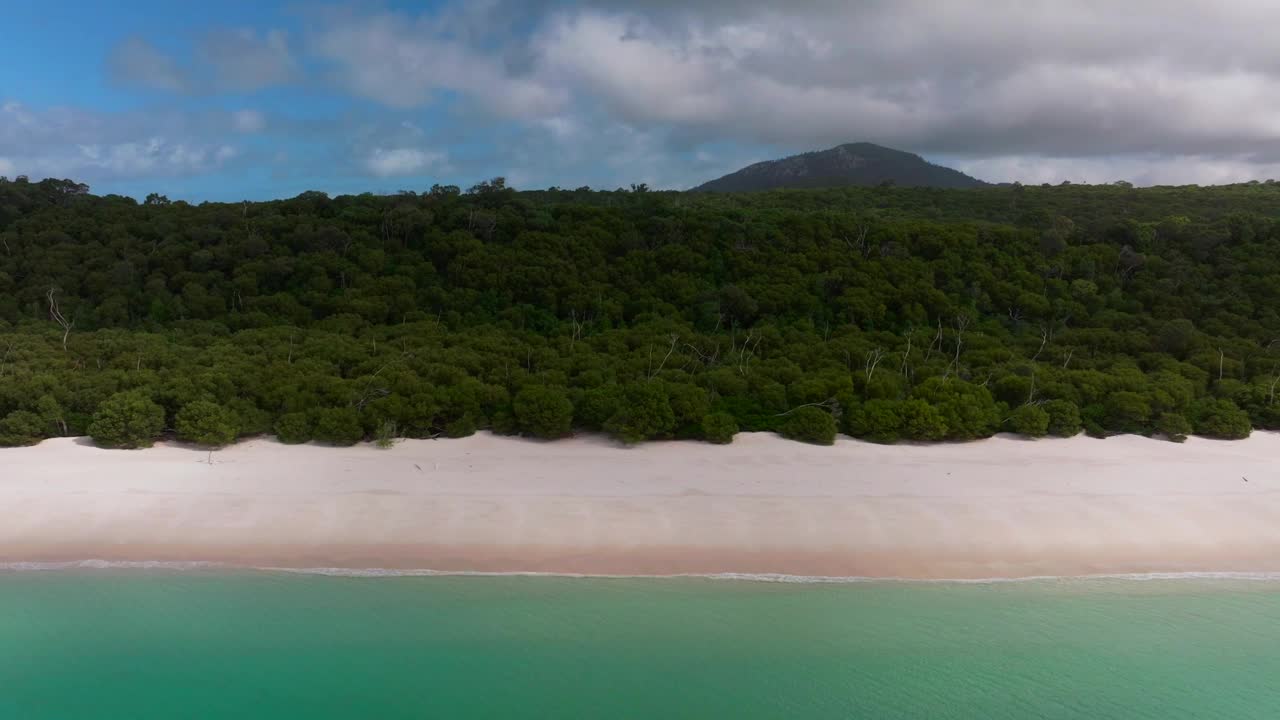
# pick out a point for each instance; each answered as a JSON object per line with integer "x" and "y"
{"x": 233, "y": 99}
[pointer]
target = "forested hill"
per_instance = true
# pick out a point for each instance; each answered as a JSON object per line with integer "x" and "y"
{"x": 852, "y": 164}
{"x": 885, "y": 313}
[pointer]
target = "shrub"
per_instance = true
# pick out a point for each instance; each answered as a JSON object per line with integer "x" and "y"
{"x": 921, "y": 421}
{"x": 1064, "y": 418}
{"x": 597, "y": 406}
{"x": 645, "y": 413}
{"x": 968, "y": 409}
{"x": 811, "y": 425}
{"x": 338, "y": 426}
{"x": 386, "y": 435}
{"x": 719, "y": 428}
{"x": 464, "y": 426}
{"x": 54, "y": 417}
{"x": 876, "y": 420}
{"x": 503, "y": 422}
{"x": 249, "y": 418}
{"x": 294, "y": 428}
{"x": 1127, "y": 412}
{"x": 21, "y": 427}
{"x": 1174, "y": 427}
{"x": 1094, "y": 416}
{"x": 544, "y": 412}
{"x": 1030, "y": 420}
{"x": 206, "y": 423}
{"x": 690, "y": 404}
{"x": 127, "y": 420}
{"x": 1221, "y": 419}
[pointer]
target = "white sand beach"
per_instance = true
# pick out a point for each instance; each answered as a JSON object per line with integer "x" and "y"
{"x": 1003, "y": 507}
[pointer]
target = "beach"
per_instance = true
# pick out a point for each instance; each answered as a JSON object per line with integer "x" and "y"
{"x": 995, "y": 508}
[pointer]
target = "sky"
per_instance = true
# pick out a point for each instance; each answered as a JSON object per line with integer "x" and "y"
{"x": 239, "y": 100}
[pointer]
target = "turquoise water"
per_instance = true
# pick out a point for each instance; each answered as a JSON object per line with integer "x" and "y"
{"x": 203, "y": 644}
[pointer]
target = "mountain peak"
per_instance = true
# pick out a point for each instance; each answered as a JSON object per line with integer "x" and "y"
{"x": 859, "y": 163}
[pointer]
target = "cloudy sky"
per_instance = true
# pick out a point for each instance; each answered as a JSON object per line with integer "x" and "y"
{"x": 260, "y": 99}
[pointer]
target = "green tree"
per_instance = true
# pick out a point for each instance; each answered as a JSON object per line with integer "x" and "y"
{"x": 22, "y": 427}
{"x": 337, "y": 426}
{"x": 1220, "y": 418}
{"x": 206, "y": 423}
{"x": 544, "y": 412}
{"x": 690, "y": 405}
{"x": 127, "y": 420}
{"x": 294, "y": 428}
{"x": 431, "y": 311}
{"x": 921, "y": 421}
{"x": 53, "y": 415}
{"x": 1173, "y": 426}
{"x": 644, "y": 413}
{"x": 1030, "y": 420}
{"x": 464, "y": 426}
{"x": 810, "y": 425}
{"x": 1064, "y": 418}
{"x": 597, "y": 406}
{"x": 968, "y": 410}
{"x": 719, "y": 428}
{"x": 1127, "y": 412}
{"x": 879, "y": 421}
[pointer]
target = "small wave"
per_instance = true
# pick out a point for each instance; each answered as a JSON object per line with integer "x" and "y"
{"x": 774, "y": 577}
{"x": 108, "y": 565}
{"x": 185, "y": 566}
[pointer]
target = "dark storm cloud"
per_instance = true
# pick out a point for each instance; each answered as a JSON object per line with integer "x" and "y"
{"x": 999, "y": 78}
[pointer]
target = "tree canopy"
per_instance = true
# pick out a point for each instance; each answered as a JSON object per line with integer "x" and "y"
{"x": 900, "y": 313}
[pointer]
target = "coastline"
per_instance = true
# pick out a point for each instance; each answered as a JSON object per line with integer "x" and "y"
{"x": 763, "y": 506}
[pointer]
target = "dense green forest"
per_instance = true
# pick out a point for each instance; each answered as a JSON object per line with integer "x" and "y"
{"x": 885, "y": 313}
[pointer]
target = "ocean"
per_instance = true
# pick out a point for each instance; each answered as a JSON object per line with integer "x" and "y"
{"x": 208, "y": 643}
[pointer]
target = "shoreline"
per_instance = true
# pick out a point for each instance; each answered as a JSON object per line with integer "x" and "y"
{"x": 179, "y": 566}
{"x": 993, "y": 509}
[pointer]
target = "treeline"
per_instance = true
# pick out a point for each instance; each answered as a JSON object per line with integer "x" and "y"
{"x": 884, "y": 313}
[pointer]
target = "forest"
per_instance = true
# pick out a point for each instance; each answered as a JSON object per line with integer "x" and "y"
{"x": 884, "y": 313}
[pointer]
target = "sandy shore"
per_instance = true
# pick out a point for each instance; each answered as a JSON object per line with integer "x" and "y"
{"x": 1002, "y": 507}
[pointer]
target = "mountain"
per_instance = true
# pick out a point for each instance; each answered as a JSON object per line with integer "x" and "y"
{"x": 851, "y": 164}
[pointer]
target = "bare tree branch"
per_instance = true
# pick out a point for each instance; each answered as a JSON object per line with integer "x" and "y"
{"x": 674, "y": 339}
{"x": 1044, "y": 340}
{"x": 873, "y": 359}
{"x": 56, "y": 313}
{"x": 962, "y": 324}
{"x": 830, "y": 404}
{"x": 747, "y": 351}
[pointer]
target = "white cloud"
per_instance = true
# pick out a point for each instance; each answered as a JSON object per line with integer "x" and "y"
{"x": 404, "y": 63}
{"x": 969, "y": 79}
{"x": 1143, "y": 169}
{"x": 94, "y": 146}
{"x": 248, "y": 121}
{"x": 672, "y": 92}
{"x": 242, "y": 61}
{"x": 390, "y": 162}
{"x": 7, "y": 168}
{"x": 138, "y": 63}
{"x": 153, "y": 156}
{"x": 237, "y": 60}
{"x": 960, "y": 77}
